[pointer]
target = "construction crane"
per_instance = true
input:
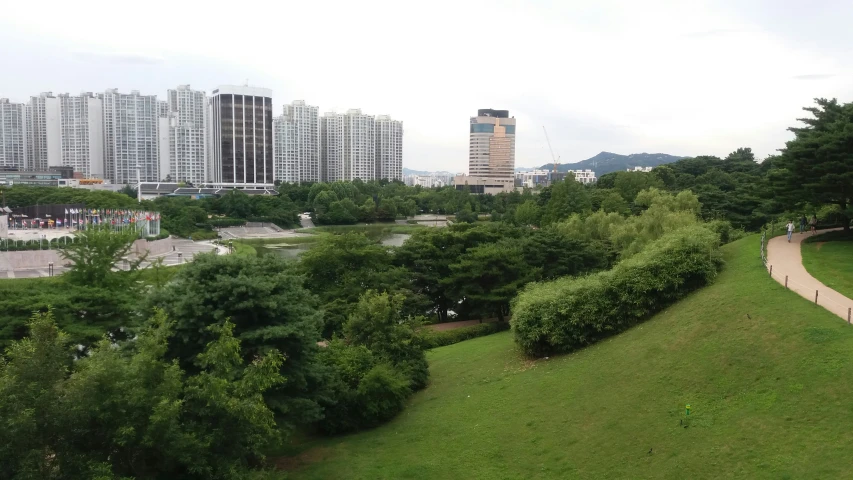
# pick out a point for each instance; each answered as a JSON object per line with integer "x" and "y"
{"x": 554, "y": 159}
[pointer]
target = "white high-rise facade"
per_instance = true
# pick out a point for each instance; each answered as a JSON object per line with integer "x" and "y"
{"x": 297, "y": 143}
{"x": 131, "y": 137}
{"x": 348, "y": 146}
{"x": 185, "y": 129}
{"x": 13, "y": 134}
{"x": 285, "y": 150}
{"x": 81, "y": 134}
{"x": 43, "y": 137}
{"x": 331, "y": 147}
{"x": 389, "y": 148}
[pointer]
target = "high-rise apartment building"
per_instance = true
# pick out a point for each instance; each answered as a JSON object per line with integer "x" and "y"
{"x": 297, "y": 143}
{"x": 131, "y": 136}
{"x": 43, "y": 137}
{"x": 241, "y": 133}
{"x": 389, "y": 148}
{"x": 184, "y": 130}
{"x": 492, "y": 144}
{"x": 81, "y": 134}
{"x": 13, "y": 134}
{"x": 331, "y": 147}
{"x": 348, "y": 146}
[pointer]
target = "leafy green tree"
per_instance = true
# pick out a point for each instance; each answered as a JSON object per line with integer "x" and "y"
{"x": 556, "y": 256}
{"x": 528, "y": 213}
{"x": 265, "y": 299}
{"x": 566, "y": 197}
{"x": 235, "y": 204}
{"x": 491, "y": 275}
{"x": 124, "y": 411}
{"x": 95, "y": 252}
{"x": 613, "y": 202}
{"x": 629, "y": 184}
{"x": 818, "y": 162}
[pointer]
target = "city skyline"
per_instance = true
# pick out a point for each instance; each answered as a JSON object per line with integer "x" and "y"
{"x": 656, "y": 76}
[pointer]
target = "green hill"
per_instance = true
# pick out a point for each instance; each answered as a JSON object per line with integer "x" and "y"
{"x": 768, "y": 376}
{"x": 606, "y": 162}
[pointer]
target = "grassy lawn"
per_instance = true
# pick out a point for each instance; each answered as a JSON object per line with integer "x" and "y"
{"x": 768, "y": 376}
{"x": 831, "y": 262}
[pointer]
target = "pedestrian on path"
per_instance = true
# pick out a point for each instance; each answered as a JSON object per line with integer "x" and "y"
{"x": 790, "y": 227}
{"x": 813, "y": 224}
{"x": 803, "y": 224}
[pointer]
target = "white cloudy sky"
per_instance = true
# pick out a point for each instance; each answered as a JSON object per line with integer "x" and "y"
{"x": 681, "y": 77}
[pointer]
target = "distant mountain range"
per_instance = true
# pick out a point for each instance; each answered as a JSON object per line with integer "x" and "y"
{"x": 603, "y": 163}
{"x": 607, "y": 162}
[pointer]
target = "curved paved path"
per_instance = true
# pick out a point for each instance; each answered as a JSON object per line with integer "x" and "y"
{"x": 787, "y": 260}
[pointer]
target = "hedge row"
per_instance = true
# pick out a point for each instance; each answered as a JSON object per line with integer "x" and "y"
{"x": 227, "y": 222}
{"x": 572, "y": 312}
{"x": 432, "y": 338}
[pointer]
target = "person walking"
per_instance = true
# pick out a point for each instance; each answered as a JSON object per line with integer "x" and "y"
{"x": 813, "y": 224}
{"x": 790, "y": 227}
{"x": 803, "y": 224}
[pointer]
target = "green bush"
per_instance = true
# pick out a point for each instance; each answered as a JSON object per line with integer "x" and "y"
{"x": 570, "y": 313}
{"x": 227, "y": 222}
{"x": 204, "y": 235}
{"x": 431, "y": 338}
{"x": 365, "y": 390}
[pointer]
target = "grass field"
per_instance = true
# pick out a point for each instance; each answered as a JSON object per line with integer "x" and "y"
{"x": 768, "y": 375}
{"x": 831, "y": 262}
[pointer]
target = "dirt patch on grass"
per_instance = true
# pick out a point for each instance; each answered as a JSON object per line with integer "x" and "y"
{"x": 288, "y": 464}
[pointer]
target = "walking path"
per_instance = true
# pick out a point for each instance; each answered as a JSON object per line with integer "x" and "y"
{"x": 786, "y": 261}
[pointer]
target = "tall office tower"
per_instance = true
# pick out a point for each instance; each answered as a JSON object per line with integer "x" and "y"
{"x": 389, "y": 148}
{"x": 297, "y": 143}
{"x": 43, "y": 148}
{"x": 13, "y": 134}
{"x": 492, "y": 144}
{"x": 348, "y": 146}
{"x": 81, "y": 133}
{"x": 131, "y": 136}
{"x": 184, "y": 129}
{"x": 241, "y": 136}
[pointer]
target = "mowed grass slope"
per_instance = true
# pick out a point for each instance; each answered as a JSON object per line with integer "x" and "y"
{"x": 831, "y": 262}
{"x": 769, "y": 377}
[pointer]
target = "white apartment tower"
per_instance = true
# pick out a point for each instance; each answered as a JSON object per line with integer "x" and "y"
{"x": 131, "y": 136}
{"x": 185, "y": 127}
{"x": 13, "y": 134}
{"x": 348, "y": 146}
{"x": 331, "y": 147}
{"x": 241, "y": 144}
{"x": 297, "y": 143}
{"x": 43, "y": 137}
{"x": 389, "y": 148}
{"x": 492, "y": 144}
{"x": 285, "y": 150}
{"x": 81, "y": 134}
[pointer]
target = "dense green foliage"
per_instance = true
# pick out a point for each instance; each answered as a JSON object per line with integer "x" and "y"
{"x": 377, "y": 364}
{"x": 125, "y": 411}
{"x": 264, "y": 299}
{"x": 569, "y": 313}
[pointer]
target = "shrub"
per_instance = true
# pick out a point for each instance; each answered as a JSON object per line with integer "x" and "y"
{"x": 570, "y": 313}
{"x": 365, "y": 390}
{"x": 227, "y": 222}
{"x": 431, "y": 338}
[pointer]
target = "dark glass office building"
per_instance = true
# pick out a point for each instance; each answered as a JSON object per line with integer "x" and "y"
{"x": 241, "y": 136}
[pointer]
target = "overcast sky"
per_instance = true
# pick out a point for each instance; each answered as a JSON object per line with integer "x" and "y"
{"x": 678, "y": 77}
